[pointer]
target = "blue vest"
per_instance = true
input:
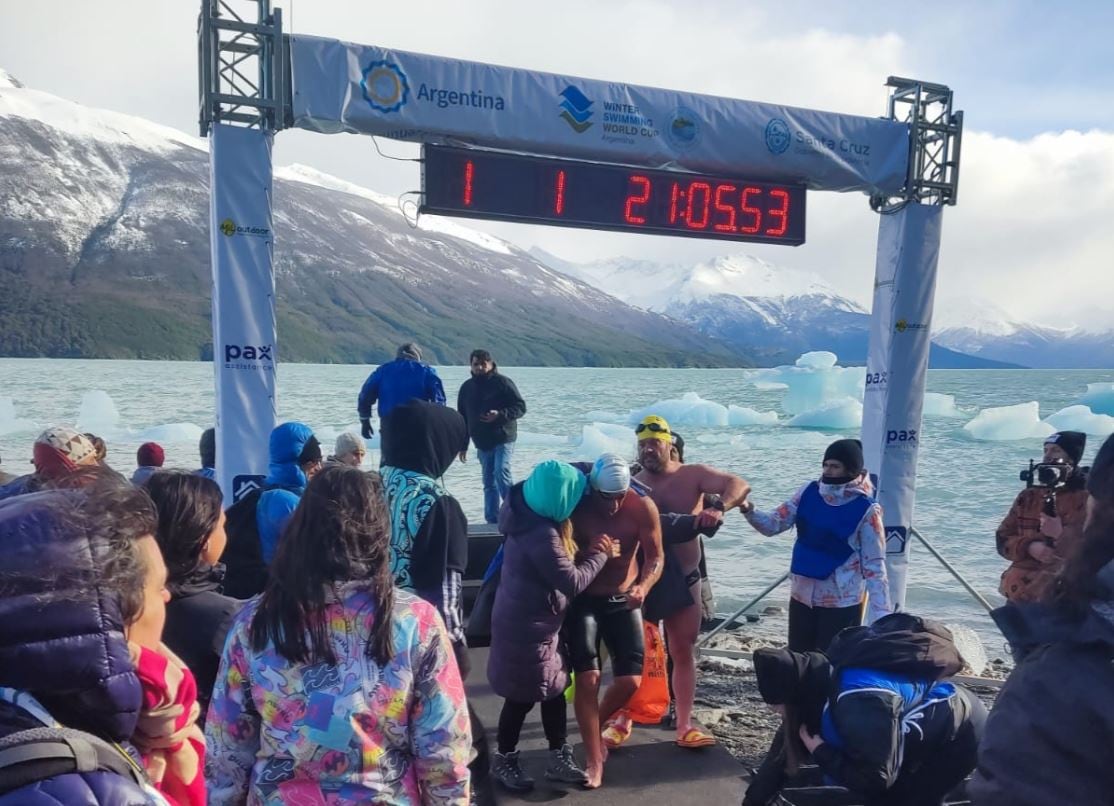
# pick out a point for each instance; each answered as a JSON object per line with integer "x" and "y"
{"x": 823, "y": 532}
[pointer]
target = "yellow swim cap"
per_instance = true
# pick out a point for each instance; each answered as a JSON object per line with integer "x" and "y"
{"x": 654, "y": 427}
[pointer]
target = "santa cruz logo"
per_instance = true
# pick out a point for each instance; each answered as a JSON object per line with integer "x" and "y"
{"x": 576, "y": 109}
{"x": 778, "y": 136}
{"x": 385, "y": 87}
{"x": 684, "y": 129}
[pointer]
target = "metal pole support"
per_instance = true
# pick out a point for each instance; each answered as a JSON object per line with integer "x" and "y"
{"x": 952, "y": 570}
{"x": 727, "y": 622}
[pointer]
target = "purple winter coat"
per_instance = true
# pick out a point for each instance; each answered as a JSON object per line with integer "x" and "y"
{"x": 64, "y": 647}
{"x": 538, "y": 580}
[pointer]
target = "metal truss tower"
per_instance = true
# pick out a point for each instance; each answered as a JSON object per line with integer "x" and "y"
{"x": 241, "y": 64}
{"x": 935, "y": 132}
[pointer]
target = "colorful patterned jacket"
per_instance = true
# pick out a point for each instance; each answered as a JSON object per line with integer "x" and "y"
{"x": 291, "y": 733}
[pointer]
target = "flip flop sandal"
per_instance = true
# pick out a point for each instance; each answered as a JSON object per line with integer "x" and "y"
{"x": 614, "y": 735}
{"x": 694, "y": 739}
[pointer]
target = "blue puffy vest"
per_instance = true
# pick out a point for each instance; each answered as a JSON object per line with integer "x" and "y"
{"x": 823, "y": 532}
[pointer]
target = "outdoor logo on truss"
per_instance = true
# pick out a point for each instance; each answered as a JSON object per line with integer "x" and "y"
{"x": 576, "y": 109}
{"x": 385, "y": 86}
{"x": 778, "y": 136}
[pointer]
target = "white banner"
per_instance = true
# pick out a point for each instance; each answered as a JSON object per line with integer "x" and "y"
{"x": 244, "y": 356}
{"x": 900, "y": 335}
{"x": 342, "y": 87}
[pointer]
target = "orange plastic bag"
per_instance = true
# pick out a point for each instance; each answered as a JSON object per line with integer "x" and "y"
{"x": 650, "y": 702}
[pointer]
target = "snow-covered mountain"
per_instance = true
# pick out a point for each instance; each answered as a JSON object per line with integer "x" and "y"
{"x": 979, "y": 327}
{"x": 774, "y": 312}
{"x": 104, "y": 252}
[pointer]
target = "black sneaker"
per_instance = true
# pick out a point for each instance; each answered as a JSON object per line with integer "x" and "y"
{"x": 508, "y": 772}
{"x": 563, "y": 767}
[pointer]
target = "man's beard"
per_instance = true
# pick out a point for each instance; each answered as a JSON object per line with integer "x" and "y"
{"x": 652, "y": 462}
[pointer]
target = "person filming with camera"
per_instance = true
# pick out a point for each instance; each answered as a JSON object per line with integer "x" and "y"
{"x": 1045, "y": 522}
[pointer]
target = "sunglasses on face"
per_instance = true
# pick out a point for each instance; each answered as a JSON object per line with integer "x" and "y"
{"x": 611, "y": 496}
{"x": 655, "y": 427}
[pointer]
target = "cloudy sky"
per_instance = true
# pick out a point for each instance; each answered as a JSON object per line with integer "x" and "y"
{"x": 1034, "y": 229}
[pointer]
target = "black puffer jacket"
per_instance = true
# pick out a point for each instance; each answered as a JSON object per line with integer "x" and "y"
{"x": 1050, "y": 734}
{"x": 64, "y": 647}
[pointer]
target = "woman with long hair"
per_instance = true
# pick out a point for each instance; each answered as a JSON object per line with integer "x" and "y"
{"x": 191, "y": 536}
{"x": 1049, "y": 737}
{"x": 334, "y": 687}
{"x": 542, "y": 571}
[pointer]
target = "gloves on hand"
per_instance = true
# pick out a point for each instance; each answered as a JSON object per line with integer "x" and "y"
{"x": 366, "y": 430}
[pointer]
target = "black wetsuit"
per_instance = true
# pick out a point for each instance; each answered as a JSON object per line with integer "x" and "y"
{"x": 594, "y": 618}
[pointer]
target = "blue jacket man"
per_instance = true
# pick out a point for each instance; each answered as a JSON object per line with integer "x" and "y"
{"x": 396, "y": 382}
{"x": 256, "y": 521}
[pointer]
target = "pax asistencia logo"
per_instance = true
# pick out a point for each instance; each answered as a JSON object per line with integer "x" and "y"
{"x": 228, "y": 228}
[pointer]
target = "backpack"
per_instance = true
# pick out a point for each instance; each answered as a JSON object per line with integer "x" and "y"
{"x": 36, "y": 754}
{"x": 245, "y": 572}
{"x": 898, "y": 643}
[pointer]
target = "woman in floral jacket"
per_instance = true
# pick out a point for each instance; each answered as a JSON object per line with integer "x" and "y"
{"x": 334, "y": 687}
{"x": 839, "y": 554}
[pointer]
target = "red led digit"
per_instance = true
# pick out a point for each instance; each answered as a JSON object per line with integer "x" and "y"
{"x": 633, "y": 199}
{"x": 750, "y": 230}
{"x": 729, "y": 225}
{"x": 691, "y": 221}
{"x": 781, "y": 212}
{"x": 673, "y": 203}
{"x": 469, "y": 169}
{"x": 559, "y": 203}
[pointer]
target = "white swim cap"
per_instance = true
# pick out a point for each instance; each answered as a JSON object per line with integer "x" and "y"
{"x": 610, "y": 474}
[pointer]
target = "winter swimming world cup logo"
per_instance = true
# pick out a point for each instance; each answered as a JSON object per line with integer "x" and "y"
{"x": 385, "y": 87}
{"x": 778, "y": 137}
{"x": 684, "y": 129}
{"x": 576, "y": 109}
{"x": 228, "y": 227}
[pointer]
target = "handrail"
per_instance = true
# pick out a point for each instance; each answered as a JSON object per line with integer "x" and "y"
{"x": 727, "y": 622}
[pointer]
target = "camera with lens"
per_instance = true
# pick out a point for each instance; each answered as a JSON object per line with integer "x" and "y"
{"x": 1049, "y": 475}
{"x": 1045, "y": 474}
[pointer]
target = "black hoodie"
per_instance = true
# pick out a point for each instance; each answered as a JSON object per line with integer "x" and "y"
{"x": 429, "y": 532}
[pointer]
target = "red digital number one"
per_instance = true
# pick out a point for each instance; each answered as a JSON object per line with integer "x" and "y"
{"x": 692, "y": 222}
{"x": 633, "y": 199}
{"x": 729, "y": 225}
{"x": 559, "y": 202}
{"x": 673, "y": 204}
{"x": 469, "y": 169}
{"x": 752, "y": 210}
{"x": 781, "y": 212}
